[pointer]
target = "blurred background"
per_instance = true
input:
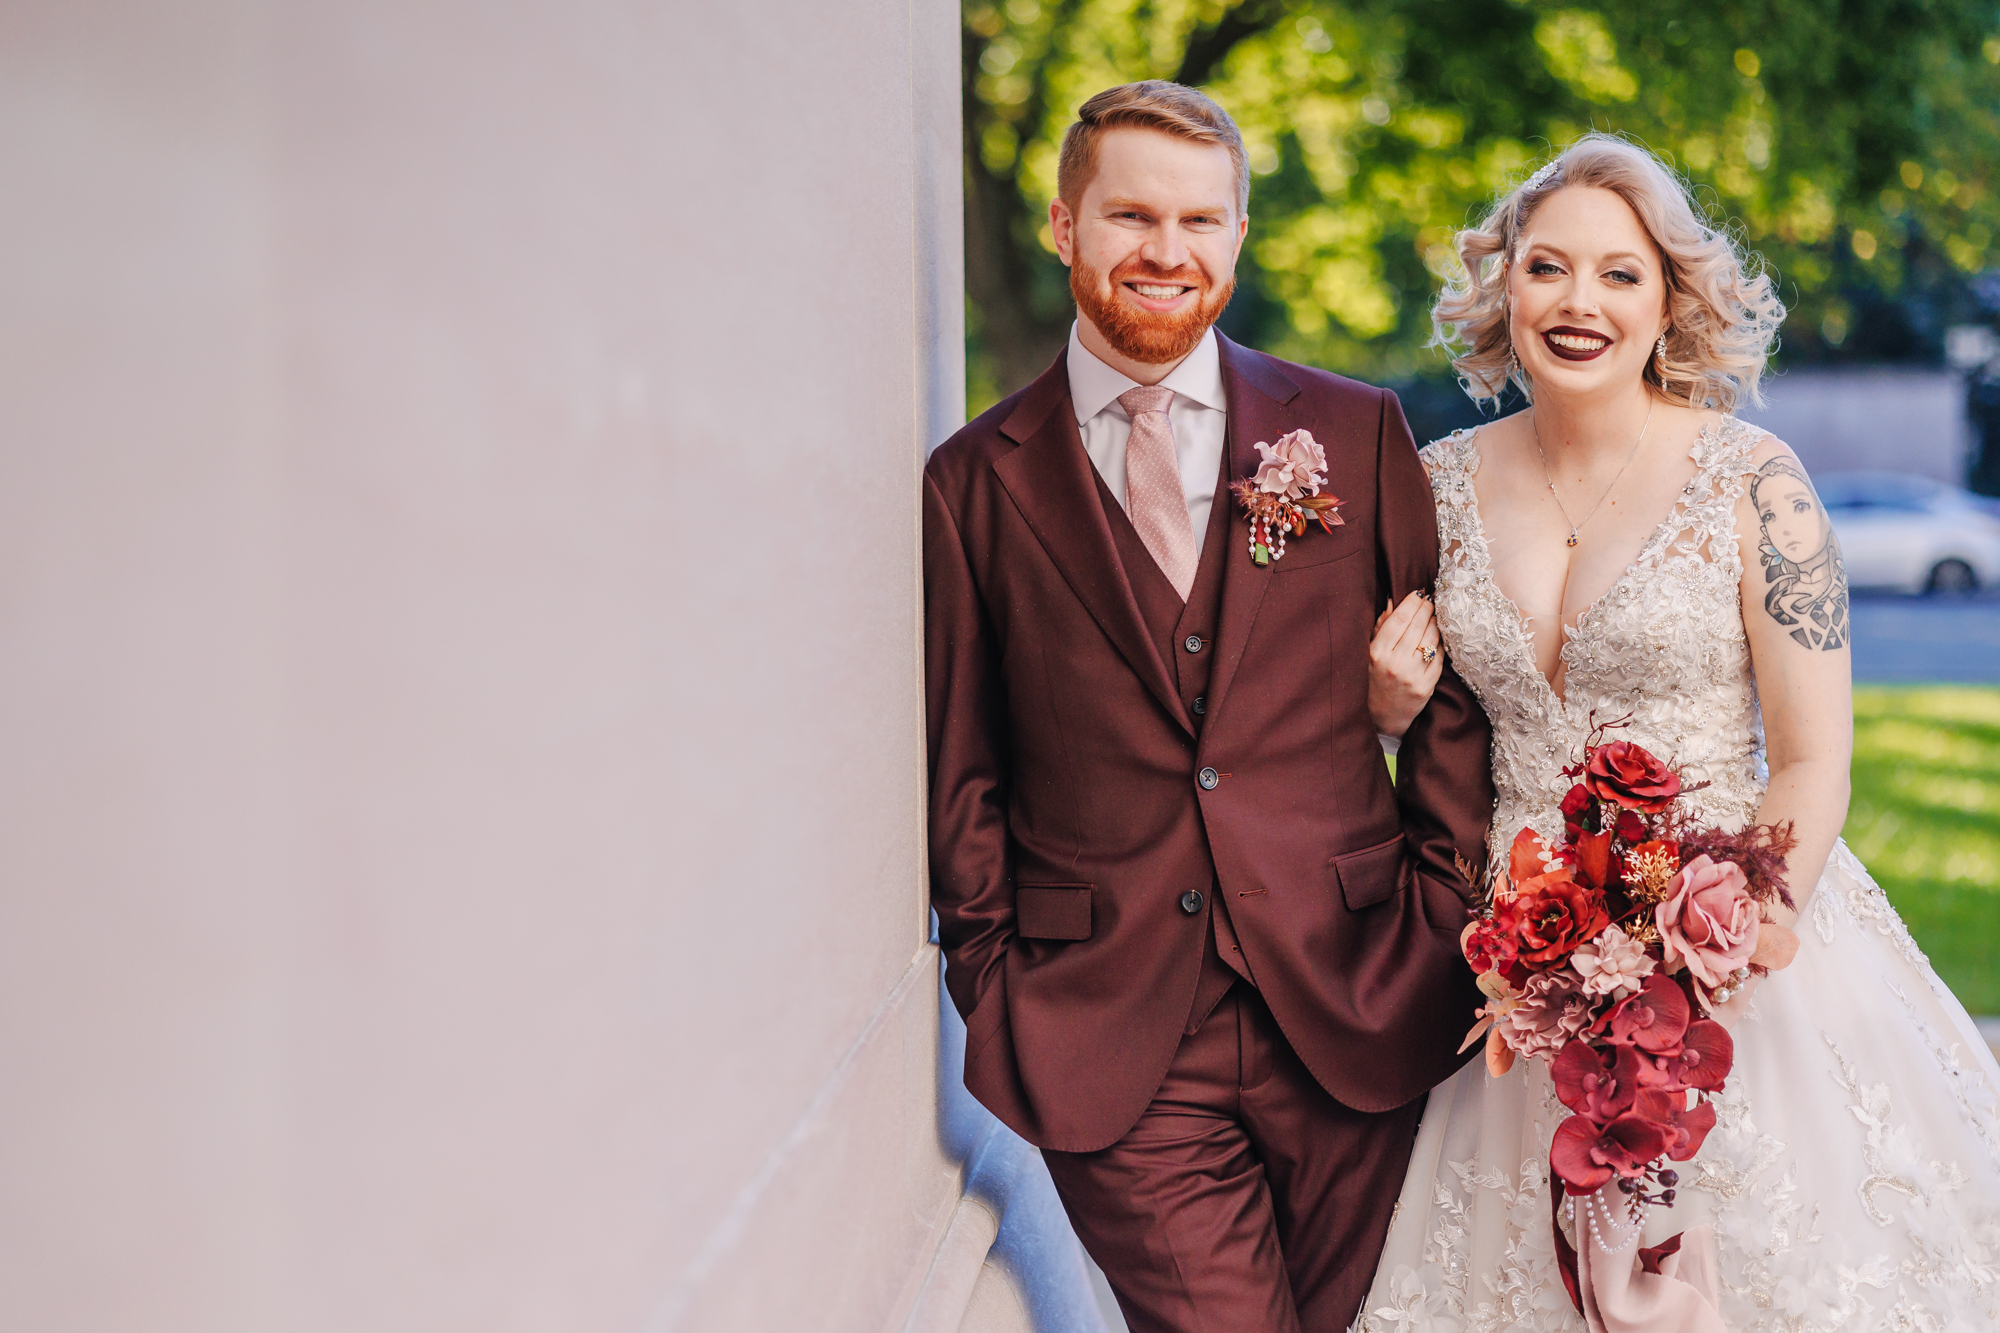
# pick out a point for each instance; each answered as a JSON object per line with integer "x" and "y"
{"x": 1855, "y": 147}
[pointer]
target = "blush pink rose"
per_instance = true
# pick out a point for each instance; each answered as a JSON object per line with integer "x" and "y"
{"x": 1292, "y": 467}
{"x": 1708, "y": 921}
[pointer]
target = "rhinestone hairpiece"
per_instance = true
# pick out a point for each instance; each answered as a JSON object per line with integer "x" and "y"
{"x": 1542, "y": 174}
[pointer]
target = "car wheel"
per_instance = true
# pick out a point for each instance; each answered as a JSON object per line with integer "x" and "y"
{"x": 1951, "y": 577}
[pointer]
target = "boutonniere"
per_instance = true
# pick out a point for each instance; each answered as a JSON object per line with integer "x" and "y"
{"x": 1284, "y": 492}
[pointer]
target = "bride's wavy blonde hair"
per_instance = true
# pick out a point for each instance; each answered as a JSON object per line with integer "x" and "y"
{"x": 1723, "y": 308}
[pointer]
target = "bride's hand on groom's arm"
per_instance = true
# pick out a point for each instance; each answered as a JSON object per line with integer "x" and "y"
{"x": 1404, "y": 663}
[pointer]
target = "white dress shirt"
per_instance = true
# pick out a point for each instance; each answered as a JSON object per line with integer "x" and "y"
{"x": 1199, "y": 416}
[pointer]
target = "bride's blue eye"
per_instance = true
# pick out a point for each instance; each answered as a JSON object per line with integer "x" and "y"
{"x": 1541, "y": 267}
{"x": 1620, "y": 275}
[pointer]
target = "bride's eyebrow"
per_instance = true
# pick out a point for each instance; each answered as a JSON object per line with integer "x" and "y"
{"x": 1556, "y": 252}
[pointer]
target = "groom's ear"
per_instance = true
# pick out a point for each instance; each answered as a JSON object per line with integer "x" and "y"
{"x": 1062, "y": 226}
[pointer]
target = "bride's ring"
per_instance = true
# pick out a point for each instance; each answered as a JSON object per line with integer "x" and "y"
{"x": 1427, "y": 653}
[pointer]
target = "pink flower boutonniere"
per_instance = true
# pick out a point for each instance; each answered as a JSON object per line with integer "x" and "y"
{"x": 1284, "y": 491}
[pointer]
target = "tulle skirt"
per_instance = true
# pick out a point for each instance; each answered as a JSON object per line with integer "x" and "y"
{"x": 1852, "y": 1180}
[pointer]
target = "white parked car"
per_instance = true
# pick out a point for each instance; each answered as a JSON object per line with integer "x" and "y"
{"x": 1911, "y": 534}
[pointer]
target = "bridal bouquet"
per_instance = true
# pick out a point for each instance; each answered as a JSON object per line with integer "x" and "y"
{"x": 1605, "y": 954}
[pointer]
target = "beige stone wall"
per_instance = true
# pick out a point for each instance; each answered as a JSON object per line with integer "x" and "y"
{"x": 460, "y": 743}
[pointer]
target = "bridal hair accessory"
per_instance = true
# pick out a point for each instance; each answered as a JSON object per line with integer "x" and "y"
{"x": 1284, "y": 492}
{"x": 1542, "y": 174}
{"x": 1604, "y": 955}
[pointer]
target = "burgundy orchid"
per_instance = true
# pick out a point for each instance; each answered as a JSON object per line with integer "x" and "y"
{"x": 1585, "y": 1155}
{"x": 1684, "y": 1129}
{"x": 1704, "y": 1059}
{"x": 1654, "y": 1020}
{"x": 1598, "y": 1084}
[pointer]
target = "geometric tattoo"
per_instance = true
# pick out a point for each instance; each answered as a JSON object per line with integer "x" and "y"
{"x": 1801, "y": 556}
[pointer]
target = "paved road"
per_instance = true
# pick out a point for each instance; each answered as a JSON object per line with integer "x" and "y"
{"x": 1927, "y": 638}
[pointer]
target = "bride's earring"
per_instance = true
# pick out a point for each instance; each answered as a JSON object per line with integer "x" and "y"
{"x": 1660, "y": 351}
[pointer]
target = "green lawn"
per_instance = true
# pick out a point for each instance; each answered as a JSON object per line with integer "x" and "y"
{"x": 1926, "y": 821}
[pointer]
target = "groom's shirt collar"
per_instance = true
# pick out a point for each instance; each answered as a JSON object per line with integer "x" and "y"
{"x": 1094, "y": 386}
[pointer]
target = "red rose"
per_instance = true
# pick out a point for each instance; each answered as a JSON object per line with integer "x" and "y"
{"x": 1551, "y": 914}
{"x": 1631, "y": 827}
{"x": 1575, "y": 803}
{"x": 1629, "y": 775}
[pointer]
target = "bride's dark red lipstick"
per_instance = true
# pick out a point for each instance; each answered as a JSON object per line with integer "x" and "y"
{"x": 1570, "y": 353}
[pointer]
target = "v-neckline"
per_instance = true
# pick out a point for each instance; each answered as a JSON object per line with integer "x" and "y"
{"x": 1674, "y": 521}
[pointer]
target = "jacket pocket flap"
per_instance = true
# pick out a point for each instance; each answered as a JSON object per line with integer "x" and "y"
{"x": 1306, "y": 552}
{"x": 1370, "y": 875}
{"x": 1052, "y": 911}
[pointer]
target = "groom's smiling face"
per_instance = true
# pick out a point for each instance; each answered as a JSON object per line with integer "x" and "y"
{"x": 1151, "y": 243}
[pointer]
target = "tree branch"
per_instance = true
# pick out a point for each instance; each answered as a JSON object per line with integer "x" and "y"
{"x": 1209, "y": 45}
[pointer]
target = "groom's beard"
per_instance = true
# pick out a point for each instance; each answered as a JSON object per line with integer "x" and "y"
{"x": 1149, "y": 337}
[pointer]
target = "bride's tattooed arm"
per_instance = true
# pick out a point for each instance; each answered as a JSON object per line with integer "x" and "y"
{"x": 1801, "y": 555}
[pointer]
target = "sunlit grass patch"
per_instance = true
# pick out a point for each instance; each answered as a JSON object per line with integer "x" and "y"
{"x": 1926, "y": 821}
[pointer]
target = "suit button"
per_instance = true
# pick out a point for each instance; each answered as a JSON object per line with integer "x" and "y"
{"x": 1200, "y": 705}
{"x": 1208, "y": 778}
{"x": 1193, "y": 643}
{"x": 1191, "y": 901}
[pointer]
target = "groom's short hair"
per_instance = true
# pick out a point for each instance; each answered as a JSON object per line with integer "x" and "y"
{"x": 1151, "y": 104}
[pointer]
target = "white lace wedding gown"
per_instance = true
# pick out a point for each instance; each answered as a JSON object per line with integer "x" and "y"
{"x": 1853, "y": 1178}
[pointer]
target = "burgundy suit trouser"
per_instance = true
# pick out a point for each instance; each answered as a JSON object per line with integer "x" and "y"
{"x": 1246, "y": 1199}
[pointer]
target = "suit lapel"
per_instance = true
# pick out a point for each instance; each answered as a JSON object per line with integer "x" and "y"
{"x": 1257, "y": 395}
{"x": 1054, "y": 485}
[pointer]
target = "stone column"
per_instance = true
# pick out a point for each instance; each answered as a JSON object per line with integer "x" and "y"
{"x": 460, "y": 729}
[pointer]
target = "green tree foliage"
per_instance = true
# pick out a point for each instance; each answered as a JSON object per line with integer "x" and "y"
{"x": 1854, "y": 143}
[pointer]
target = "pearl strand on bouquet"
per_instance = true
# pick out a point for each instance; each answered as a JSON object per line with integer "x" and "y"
{"x": 1592, "y": 1206}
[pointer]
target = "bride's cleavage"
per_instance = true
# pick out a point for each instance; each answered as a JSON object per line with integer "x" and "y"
{"x": 1547, "y": 634}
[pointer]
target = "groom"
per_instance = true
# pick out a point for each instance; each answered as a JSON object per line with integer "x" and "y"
{"x": 1206, "y": 953}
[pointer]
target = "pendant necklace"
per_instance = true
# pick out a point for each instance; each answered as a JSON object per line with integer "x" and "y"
{"x": 1534, "y": 422}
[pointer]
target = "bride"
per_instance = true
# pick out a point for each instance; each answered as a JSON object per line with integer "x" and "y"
{"x": 1627, "y": 548}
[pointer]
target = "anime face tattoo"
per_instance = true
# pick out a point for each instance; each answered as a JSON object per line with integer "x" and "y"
{"x": 1801, "y": 557}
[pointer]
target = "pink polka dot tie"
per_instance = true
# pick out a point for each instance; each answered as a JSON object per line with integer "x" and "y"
{"x": 1153, "y": 495}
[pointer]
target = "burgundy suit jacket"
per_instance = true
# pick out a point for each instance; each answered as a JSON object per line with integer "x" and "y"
{"x": 1067, "y": 819}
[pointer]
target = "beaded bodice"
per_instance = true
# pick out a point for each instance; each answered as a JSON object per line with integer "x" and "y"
{"x": 1664, "y": 647}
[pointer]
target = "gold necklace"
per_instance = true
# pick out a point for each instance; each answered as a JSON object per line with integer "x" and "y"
{"x": 1536, "y": 425}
